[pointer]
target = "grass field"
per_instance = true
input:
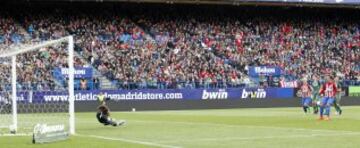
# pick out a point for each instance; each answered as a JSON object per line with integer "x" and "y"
{"x": 268, "y": 128}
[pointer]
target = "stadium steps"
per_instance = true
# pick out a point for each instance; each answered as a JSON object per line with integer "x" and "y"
{"x": 105, "y": 83}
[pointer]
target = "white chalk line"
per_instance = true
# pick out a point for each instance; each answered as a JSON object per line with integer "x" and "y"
{"x": 106, "y": 138}
{"x": 328, "y": 133}
{"x": 130, "y": 141}
{"x": 15, "y": 135}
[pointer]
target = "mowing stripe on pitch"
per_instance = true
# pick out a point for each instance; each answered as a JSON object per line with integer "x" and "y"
{"x": 246, "y": 126}
{"x": 130, "y": 141}
{"x": 262, "y": 138}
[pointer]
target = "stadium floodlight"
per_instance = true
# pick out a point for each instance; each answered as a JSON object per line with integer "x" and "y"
{"x": 27, "y": 76}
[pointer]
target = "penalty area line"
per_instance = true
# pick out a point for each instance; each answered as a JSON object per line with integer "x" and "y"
{"x": 130, "y": 141}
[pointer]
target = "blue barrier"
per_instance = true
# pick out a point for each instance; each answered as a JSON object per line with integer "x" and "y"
{"x": 160, "y": 94}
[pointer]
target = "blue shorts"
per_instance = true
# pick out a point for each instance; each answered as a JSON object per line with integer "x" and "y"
{"x": 328, "y": 101}
{"x": 306, "y": 101}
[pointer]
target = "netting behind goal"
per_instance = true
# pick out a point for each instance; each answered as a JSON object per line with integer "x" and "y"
{"x": 38, "y": 78}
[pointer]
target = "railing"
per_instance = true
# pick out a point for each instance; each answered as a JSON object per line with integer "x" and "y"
{"x": 32, "y": 86}
{"x": 176, "y": 85}
{"x": 90, "y": 85}
{"x": 347, "y": 83}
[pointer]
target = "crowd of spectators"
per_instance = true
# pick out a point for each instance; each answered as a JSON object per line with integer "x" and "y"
{"x": 9, "y": 33}
{"x": 35, "y": 68}
{"x": 302, "y": 44}
{"x": 188, "y": 46}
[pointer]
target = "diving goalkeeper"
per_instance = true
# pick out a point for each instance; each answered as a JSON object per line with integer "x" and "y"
{"x": 103, "y": 113}
{"x": 103, "y": 116}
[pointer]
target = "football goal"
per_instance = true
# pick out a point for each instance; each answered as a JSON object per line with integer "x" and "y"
{"x": 31, "y": 76}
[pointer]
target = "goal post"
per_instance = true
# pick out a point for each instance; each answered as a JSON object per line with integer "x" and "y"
{"x": 12, "y": 57}
{"x": 13, "y": 94}
{"x": 71, "y": 85}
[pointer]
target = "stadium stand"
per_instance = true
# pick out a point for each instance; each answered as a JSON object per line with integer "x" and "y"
{"x": 154, "y": 47}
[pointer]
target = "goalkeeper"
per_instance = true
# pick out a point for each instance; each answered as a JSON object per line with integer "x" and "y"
{"x": 103, "y": 114}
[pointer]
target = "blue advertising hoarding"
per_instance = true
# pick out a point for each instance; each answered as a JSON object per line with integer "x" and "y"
{"x": 255, "y": 71}
{"x": 80, "y": 72}
{"x": 160, "y": 94}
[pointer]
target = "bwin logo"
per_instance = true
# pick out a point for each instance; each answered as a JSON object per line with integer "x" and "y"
{"x": 221, "y": 94}
{"x": 260, "y": 93}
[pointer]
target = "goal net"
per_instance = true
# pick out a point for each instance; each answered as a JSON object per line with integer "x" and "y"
{"x": 29, "y": 76}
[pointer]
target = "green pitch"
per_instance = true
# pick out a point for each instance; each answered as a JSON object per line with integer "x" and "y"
{"x": 267, "y": 128}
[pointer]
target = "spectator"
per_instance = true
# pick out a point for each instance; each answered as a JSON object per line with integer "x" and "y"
{"x": 83, "y": 84}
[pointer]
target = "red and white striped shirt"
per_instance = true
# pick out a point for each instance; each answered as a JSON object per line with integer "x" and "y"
{"x": 328, "y": 89}
{"x": 305, "y": 91}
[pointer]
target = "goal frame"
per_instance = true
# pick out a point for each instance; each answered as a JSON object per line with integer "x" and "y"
{"x": 14, "y": 52}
